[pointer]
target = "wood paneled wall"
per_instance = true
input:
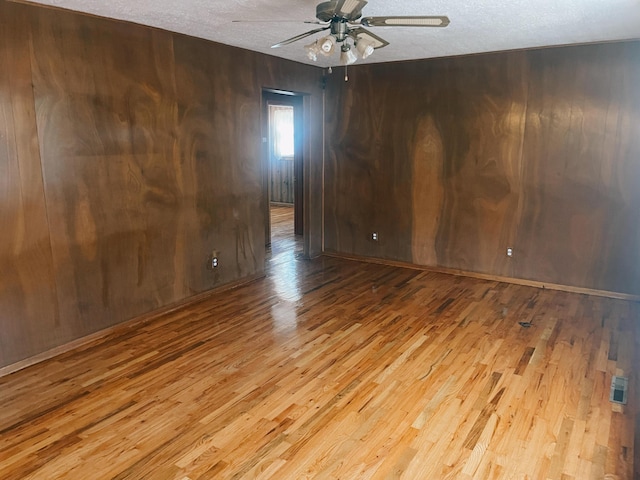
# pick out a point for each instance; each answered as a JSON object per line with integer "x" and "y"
{"x": 282, "y": 180}
{"x": 28, "y": 300}
{"x": 452, "y": 161}
{"x": 127, "y": 154}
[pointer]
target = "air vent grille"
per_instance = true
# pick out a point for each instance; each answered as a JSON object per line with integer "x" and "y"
{"x": 619, "y": 386}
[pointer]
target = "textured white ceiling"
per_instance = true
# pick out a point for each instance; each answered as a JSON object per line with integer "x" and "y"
{"x": 481, "y": 26}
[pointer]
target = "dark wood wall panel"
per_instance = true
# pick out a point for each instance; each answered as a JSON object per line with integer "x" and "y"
{"x": 27, "y": 288}
{"x": 366, "y": 189}
{"x": 130, "y": 155}
{"x": 218, "y": 112}
{"x": 282, "y": 180}
{"x": 466, "y": 163}
{"x": 427, "y": 163}
{"x": 105, "y": 99}
{"x": 452, "y": 161}
{"x": 581, "y": 197}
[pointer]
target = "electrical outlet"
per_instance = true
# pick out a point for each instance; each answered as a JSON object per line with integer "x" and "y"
{"x": 213, "y": 260}
{"x": 374, "y": 236}
{"x": 509, "y": 252}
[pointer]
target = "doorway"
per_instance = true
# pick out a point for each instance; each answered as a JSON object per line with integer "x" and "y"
{"x": 282, "y": 140}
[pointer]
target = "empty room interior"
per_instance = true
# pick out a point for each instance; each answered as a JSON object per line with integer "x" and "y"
{"x": 335, "y": 240}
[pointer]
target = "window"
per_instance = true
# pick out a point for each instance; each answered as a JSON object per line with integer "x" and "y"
{"x": 281, "y": 120}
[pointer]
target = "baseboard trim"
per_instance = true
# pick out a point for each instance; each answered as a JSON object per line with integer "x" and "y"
{"x": 125, "y": 325}
{"x": 494, "y": 278}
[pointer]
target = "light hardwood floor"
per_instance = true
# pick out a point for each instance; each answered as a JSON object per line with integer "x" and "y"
{"x": 341, "y": 370}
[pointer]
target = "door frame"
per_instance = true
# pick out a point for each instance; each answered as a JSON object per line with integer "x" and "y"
{"x": 279, "y": 97}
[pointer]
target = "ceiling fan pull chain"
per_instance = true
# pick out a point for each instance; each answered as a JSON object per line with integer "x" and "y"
{"x": 346, "y": 73}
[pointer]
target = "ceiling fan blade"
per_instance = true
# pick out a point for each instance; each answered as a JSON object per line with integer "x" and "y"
{"x": 434, "y": 21}
{"x": 313, "y": 22}
{"x": 300, "y": 37}
{"x": 360, "y": 33}
{"x": 350, "y": 9}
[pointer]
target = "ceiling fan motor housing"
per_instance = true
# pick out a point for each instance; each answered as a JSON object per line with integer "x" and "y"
{"x": 340, "y": 30}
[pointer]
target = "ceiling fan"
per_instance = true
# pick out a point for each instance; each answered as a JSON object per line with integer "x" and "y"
{"x": 343, "y": 19}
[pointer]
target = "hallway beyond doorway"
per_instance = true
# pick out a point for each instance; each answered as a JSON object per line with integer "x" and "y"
{"x": 283, "y": 239}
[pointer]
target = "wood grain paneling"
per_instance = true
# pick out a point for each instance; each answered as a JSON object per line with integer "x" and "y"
{"x": 366, "y": 189}
{"x": 145, "y": 160}
{"x": 452, "y": 161}
{"x": 282, "y": 181}
{"x": 219, "y": 116}
{"x": 581, "y": 189}
{"x": 466, "y": 163}
{"x": 106, "y": 121}
{"x": 27, "y": 288}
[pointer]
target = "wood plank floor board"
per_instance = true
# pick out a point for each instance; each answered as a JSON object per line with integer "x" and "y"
{"x": 336, "y": 369}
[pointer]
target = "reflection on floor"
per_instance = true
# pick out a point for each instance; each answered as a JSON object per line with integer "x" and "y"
{"x": 284, "y": 253}
{"x": 282, "y": 236}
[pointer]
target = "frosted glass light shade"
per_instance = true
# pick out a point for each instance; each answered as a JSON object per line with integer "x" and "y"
{"x": 347, "y": 57}
{"x": 327, "y": 45}
{"x": 365, "y": 48}
{"x": 312, "y": 51}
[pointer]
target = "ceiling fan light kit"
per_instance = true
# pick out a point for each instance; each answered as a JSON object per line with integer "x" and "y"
{"x": 327, "y": 44}
{"x": 364, "y": 47}
{"x": 347, "y": 57}
{"x": 312, "y": 51}
{"x": 342, "y": 18}
{"x": 324, "y": 46}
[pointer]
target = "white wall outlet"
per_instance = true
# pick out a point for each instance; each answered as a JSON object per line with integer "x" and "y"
{"x": 374, "y": 236}
{"x": 213, "y": 260}
{"x": 509, "y": 252}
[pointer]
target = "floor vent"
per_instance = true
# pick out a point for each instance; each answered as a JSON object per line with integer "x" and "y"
{"x": 619, "y": 386}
